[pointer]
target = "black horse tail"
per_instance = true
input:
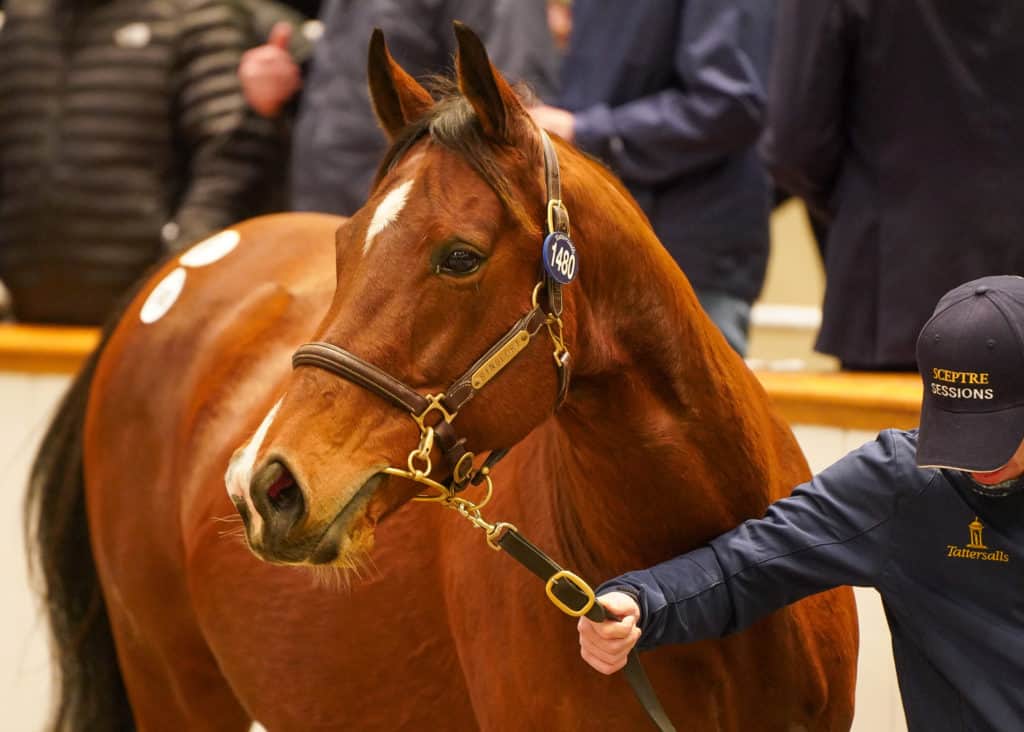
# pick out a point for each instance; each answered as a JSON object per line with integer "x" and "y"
{"x": 89, "y": 690}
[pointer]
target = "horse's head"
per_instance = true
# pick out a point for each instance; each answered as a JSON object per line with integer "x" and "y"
{"x": 441, "y": 309}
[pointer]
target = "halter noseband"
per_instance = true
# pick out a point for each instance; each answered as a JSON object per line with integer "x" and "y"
{"x": 545, "y": 313}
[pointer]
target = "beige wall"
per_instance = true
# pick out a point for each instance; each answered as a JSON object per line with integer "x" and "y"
{"x": 795, "y": 275}
{"x": 781, "y": 336}
{"x": 26, "y": 402}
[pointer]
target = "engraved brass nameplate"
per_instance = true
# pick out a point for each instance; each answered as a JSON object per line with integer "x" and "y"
{"x": 490, "y": 368}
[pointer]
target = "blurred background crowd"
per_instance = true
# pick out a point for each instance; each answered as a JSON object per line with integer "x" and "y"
{"x": 130, "y": 129}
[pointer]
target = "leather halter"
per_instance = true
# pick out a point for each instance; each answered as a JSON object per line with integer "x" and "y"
{"x": 545, "y": 313}
{"x": 568, "y": 592}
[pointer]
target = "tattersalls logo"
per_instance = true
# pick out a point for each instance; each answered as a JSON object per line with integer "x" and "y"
{"x": 976, "y": 548}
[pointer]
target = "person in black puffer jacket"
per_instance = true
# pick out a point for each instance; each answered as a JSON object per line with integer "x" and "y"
{"x": 123, "y": 136}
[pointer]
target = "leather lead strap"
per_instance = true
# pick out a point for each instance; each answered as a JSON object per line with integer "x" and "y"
{"x": 540, "y": 564}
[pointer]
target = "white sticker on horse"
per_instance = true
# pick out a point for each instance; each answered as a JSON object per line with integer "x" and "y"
{"x": 387, "y": 212}
{"x": 163, "y": 296}
{"x": 212, "y": 249}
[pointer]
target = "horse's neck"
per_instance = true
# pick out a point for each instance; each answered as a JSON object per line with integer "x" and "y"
{"x": 665, "y": 440}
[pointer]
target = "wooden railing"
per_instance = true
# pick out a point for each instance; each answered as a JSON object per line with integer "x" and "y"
{"x": 866, "y": 401}
{"x": 863, "y": 401}
{"x": 45, "y": 349}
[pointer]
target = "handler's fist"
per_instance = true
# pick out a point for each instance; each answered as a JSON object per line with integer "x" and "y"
{"x": 268, "y": 74}
{"x": 562, "y": 122}
{"x": 606, "y": 646}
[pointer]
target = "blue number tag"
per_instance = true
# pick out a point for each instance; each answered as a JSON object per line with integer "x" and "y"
{"x": 559, "y": 257}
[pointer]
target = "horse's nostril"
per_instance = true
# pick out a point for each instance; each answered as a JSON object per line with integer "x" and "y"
{"x": 283, "y": 493}
{"x": 277, "y": 497}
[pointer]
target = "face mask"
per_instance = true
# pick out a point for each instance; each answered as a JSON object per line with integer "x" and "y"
{"x": 996, "y": 490}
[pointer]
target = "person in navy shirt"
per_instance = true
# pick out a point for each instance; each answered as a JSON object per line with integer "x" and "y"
{"x": 671, "y": 95}
{"x": 932, "y": 518}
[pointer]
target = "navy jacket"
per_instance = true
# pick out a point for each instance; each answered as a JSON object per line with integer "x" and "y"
{"x": 671, "y": 94}
{"x": 901, "y": 122}
{"x": 948, "y": 563}
{"x": 337, "y": 141}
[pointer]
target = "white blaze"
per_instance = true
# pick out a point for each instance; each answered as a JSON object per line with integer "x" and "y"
{"x": 239, "y": 473}
{"x": 387, "y": 212}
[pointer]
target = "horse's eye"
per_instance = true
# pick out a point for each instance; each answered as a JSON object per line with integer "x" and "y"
{"x": 460, "y": 262}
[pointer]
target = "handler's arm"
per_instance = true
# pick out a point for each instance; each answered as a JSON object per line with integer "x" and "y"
{"x": 832, "y": 531}
{"x": 715, "y": 109}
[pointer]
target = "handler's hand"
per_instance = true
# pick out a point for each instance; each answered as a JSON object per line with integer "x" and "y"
{"x": 605, "y": 646}
{"x": 560, "y": 121}
{"x": 268, "y": 74}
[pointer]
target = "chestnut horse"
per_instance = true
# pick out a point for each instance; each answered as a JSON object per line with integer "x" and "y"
{"x": 664, "y": 440}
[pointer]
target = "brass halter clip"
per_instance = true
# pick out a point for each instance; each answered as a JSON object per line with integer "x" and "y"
{"x": 553, "y": 205}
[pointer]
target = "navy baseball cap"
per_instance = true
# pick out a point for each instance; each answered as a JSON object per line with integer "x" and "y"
{"x": 971, "y": 357}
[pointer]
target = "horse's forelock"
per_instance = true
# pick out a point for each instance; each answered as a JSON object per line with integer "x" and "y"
{"x": 452, "y": 124}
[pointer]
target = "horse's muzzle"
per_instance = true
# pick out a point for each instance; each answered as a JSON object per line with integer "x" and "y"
{"x": 288, "y": 534}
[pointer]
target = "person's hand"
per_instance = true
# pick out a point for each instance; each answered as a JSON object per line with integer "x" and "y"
{"x": 559, "y": 121}
{"x": 268, "y": 74}
{"x": 606, "y": 646}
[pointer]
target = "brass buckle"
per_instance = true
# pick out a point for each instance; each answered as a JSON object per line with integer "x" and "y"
{"x": 554, "y": 203}
{"x": 580, "y": 585}
{"x": 434, "y": 405}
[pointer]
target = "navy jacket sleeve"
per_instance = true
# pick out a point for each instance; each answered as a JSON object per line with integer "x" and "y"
{"x": 716, "y": 107}
{"x": 831, "y": 531}
{"x": 805, "y": 137}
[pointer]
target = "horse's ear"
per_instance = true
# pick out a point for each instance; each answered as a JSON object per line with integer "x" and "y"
{"x": 398, "y": 99}
{"x": 496, "y": 104}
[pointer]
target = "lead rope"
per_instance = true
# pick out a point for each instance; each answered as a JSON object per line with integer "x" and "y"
{"x": 566, "y": 590}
